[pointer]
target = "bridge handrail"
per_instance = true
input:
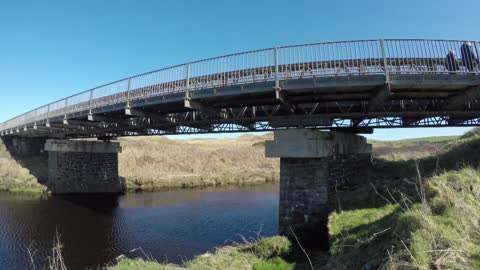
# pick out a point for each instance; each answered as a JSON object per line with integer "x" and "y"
{"x": 338, "y": 58}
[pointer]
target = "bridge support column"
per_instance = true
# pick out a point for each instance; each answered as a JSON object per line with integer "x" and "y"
{"x": 83, "y": 166}
{"x": 313, "y": 165}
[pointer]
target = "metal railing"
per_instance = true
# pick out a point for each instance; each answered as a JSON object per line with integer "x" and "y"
{"x": 344, "y": 58}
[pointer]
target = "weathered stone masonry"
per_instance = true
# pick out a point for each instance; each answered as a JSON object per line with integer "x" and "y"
{"x": 319, "y": 164}
{"x": 83, "y": 167}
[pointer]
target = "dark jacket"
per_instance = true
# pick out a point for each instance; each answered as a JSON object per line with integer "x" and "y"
{"x": 452, "y": 63}
{"x": 470, "y": 61}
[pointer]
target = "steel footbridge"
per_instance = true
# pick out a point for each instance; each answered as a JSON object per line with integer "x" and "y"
{"x": 353, "y": 86}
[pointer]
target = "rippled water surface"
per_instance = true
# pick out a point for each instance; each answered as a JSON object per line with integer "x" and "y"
{"x": 169, "y": 225}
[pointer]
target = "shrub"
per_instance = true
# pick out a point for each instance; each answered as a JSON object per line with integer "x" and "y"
{"x": 272, "y": 247}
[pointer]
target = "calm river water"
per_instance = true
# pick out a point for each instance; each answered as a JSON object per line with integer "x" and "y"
{"x": 169, "y": 225}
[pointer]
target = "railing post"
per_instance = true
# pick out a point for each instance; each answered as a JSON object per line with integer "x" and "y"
{"x": 187, "y": 82}
{"x": 47, "y": 124}
{"x": 275, "y": 55}
{"x": 384, "y": 57}
{"x": 36, "y": 119}
{"x": 478, "y": 55}
{"x": 90, "y": 100}
{"x": 128, "y": 93}
{"x": 65, "y": 109}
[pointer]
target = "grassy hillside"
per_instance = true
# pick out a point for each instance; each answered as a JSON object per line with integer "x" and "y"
{"x": 149, "y": 163}
{"x": 416, "y": 214}
{"x": 14, "y": 176}
{"x": 421, "y": 209}
{"x": 409, "y": 148}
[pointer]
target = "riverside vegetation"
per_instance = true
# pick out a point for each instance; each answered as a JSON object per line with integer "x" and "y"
{"x": 14, "y": 177}
{"x": 421, "y": 210}
{"x": 155, "y": 163}
{"x": 158, "y": 162}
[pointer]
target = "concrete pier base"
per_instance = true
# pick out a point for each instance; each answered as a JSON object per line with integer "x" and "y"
{"x": 313, "y": 165}
{"x": 83, "y": 166}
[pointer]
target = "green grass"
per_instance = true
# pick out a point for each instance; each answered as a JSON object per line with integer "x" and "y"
{"x": 129, "y": 264}
{"x": 385, "y": 225}
{"x": 34, "y": 190}
{"x": 273, "y": 264}
{"x": 266, "y": 254}
{"x": 360, "y": 237}
{"x": 394, "y": 229}
{"x": 276, "y": 246}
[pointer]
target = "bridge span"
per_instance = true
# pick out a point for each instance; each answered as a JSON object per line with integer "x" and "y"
{"x": 344, "y": 87}
{"x": 356, "y": 85}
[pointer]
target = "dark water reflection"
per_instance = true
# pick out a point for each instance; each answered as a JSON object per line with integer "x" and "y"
{"x": 172, "y": 225}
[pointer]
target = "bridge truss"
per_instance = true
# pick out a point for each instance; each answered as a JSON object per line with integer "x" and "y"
{"x": 351, "y": 86}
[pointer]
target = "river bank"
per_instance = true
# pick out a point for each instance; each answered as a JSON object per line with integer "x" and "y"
{"x": 170, "y": 226}
{"x": 264, "y": 254}
{"x": 160, "y": 163}
{"x": 420, "y": 211}
{"x": 157, "y": 163}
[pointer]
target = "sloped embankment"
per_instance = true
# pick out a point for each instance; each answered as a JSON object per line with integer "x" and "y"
{"x": 416, "y": 214}
{"x": 149, "y": 163}
{"x": 152, "y": 163}
{"x": 14, "y": 175}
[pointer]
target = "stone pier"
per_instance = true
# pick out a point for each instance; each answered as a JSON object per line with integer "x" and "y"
{"x": 83, "y": 166}
{"x": 313, "y": 165}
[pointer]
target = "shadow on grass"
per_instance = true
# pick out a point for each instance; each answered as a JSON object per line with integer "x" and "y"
{"x": 361, "y": 242}
{"x": 393, "y": 178}
{"x": 34, "y": 159}
{"x": 358, "y": 239}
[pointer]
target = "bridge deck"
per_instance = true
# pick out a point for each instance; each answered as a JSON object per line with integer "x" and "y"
{"x": 277, "y": 89}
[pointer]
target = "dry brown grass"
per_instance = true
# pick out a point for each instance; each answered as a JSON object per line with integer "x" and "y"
{"x": 157, "y": 162}
{"x": 410, "y": 148}
{"x": 14, "y": 177}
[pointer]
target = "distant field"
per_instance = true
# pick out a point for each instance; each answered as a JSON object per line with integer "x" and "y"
{"x": 409, "y": 148}
{"x": 421, "y": 139}
{"x": 149, "y": 163}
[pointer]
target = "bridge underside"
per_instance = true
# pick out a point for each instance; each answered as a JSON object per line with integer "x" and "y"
{"x": 348, "y": 103}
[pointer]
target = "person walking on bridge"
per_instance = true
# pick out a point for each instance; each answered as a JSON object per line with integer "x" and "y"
{"x": 452, "y": 62}
{"x": 470, "y": 61}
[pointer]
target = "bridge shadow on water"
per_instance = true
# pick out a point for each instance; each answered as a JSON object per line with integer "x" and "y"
{"x": 102, "y": 203}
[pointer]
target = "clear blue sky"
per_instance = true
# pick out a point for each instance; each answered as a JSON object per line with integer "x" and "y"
{"x": 51, "y": 49}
